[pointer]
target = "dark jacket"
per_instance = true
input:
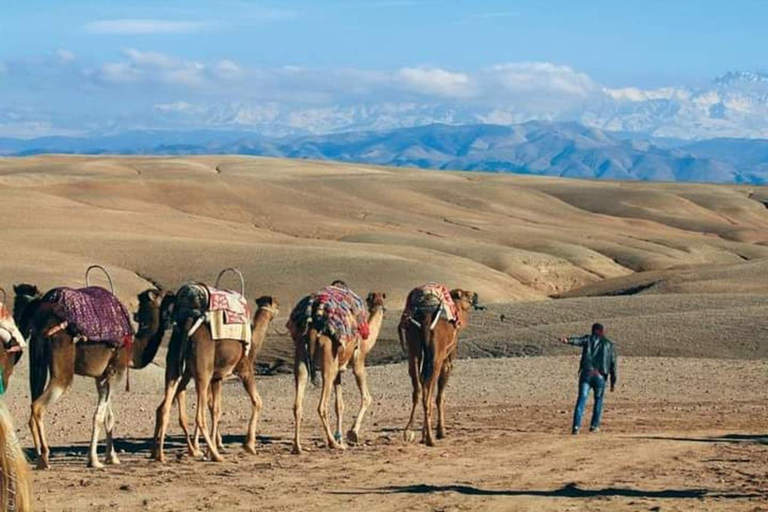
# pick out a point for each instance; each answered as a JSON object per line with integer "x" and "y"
{"x": 598, "y": 353}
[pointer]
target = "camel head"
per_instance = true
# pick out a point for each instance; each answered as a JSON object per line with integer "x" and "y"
{"x": 24, "y": 295}
{"x": 464, "y": 299}
{"x": 375, "y": 300}
{"x": 268, "y": 304}
{"x": 155, "y": 308}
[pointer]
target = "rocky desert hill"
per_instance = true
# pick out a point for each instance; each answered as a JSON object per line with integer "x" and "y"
{"x": 672, "y": 265}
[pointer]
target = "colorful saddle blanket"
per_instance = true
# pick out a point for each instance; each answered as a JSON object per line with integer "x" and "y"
{"x": 431, "y": 297}
{"x": 93, "y": 313}
{"x": 226, "y": 312}
{"x": 334, "y": 311}
{"x": 10, "y": 336}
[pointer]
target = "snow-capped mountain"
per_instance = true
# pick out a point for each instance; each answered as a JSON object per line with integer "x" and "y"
{"x": 732, "y": 105}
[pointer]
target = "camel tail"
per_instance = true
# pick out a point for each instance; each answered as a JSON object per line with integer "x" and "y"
{"x": 15, "y": 488}
{"x": 39, "y": 356}
{"x": 312, "y": 339}
{"x": 427, "y": 347}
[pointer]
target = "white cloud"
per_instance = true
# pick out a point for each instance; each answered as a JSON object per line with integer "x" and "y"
{"x": 436, "y": 81}
{"x": 145, "y": 26}
{"x": 541, "y": 77}
{"x": 65, "y": 56}
{"x": 154, "y": 67}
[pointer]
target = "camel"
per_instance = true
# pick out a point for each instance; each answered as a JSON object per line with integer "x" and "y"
{"x": 15, "y": 481}
{"x": 54, "y": 352}
{"x": 12, "y": 344}
{"x": 208, "y": 362}
{"x": 332, "y": 359}
{"x": 432, "y": 346}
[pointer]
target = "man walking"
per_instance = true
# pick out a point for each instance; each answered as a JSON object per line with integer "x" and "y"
{"x": 598, "y": 361}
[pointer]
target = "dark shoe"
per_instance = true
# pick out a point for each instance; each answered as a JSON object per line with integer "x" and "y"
{"x": 594, "y": 429}
{"x": 575, "y": 431}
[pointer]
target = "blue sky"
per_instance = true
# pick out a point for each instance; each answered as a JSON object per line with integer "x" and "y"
{"x": 71, "y": 60}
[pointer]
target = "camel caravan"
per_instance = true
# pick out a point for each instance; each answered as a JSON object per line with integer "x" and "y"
{"x": 216, "y": 334}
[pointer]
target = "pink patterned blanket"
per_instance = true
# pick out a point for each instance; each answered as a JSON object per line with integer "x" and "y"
{"x": 94, "y": 313}
{"x": 432, "y": 297}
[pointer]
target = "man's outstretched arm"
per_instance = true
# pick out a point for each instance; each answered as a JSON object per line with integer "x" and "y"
{"x": 579, "y": 341}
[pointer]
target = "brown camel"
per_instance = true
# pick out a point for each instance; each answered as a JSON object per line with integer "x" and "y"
{"x": 208, "y": 362}
{"x": 332, "y": 359}
{"x": 432, "y": 347}
{"x": 12, "y": 344}
{"x": 55, "y": 353}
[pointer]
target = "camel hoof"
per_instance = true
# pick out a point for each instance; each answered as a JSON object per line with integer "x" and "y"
{"x": 195, "y": 454}
{"x": 409, "y": 436}
{"x": 95, "y": 464}
{"x": 297, "y": 450}
{"x": 353, "y": 437}
{"x": 430, "y": 442}
{"x": 112, "y": 461}
{"x": 250, "y": 448}
{"x": 441, "y": 434}
{"x": 216, "y": 458}
{"x": 43, "y": 464}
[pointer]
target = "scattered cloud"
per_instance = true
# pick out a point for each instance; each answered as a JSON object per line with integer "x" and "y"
{"x": 145, "y": 26}
{"x": 436, "y": 81}
{"x": 540, "y": 78}
{"x": 65, "y": 56}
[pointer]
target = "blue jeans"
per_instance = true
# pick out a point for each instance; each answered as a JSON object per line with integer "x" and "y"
{"x": 595, "y": 382}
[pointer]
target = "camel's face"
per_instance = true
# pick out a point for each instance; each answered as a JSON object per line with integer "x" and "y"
{"x": 464, "y": 299}
{"x": 268, "y": 303}
{"x": 375, "y": 299}
{"x": 153, "y": 303}
{"x": 24, "y": 294}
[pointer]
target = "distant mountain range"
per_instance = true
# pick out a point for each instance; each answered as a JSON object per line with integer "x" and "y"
{"x": 542, "y": 148}
{"x": 731, "y": 105}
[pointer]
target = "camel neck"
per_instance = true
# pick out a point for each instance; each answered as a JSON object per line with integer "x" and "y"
{"x": 259, "y": 327}
{"x": 374, "y": 324}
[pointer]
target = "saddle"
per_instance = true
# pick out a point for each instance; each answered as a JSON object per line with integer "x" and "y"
{"x": 432, "y": 298}
{"x": 225, "y": 312}
{"x": 90, "y": 314}
{"x": 334, "y": 311}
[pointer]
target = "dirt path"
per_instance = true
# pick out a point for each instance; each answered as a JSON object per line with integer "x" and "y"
{"x": 679, "y": 434}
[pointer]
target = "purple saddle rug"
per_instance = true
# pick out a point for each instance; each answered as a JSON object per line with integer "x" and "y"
{"x": 94, "y": 313}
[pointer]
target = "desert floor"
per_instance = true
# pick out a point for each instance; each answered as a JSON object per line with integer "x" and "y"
{"x": 679, "y": 434}
{"x": 678, "y": 273}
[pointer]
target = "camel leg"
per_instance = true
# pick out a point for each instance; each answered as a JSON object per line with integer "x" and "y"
{"x": 202, "y": 382}
{"x": 99, "y": 419}
{"x": 162, "y": 416}
{"x": 215, "y": 406}
{"x": 330, "y": 371}
{"x": 249, "y": 383}
{"x": 193, "y": 446}
{"x": 442, "y": 383}
{"x": 50, "y": 396}
{"x": 413, "y": 370}
{"x": 301, "y": 376}
{"x": 337, "y": 389}
{"x": 365, "y": 398}
{"x": 428, "y": 393}
{"x": 109, "y": 428}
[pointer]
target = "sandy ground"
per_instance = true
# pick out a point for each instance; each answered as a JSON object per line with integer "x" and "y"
{"x": 678, "y": 273}
{"x": 678, "y": 434}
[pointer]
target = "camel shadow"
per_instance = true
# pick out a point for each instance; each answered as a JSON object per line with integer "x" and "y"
{"x": 570, "y": 490}
{"x": 728, "y": 438}
{"x": 137, "y": 445}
